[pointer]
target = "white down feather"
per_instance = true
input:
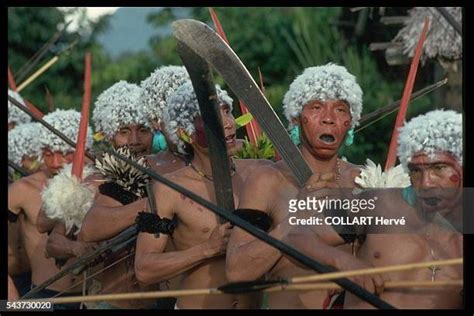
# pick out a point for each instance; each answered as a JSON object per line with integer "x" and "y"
{"x": 67, "y": 199}
{"x": 372, "y": 176}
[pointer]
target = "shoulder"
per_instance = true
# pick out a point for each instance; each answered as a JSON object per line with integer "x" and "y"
{"x": 180, "y": 177}
{"x": 270, "y": 175}
{"x": 250, "y": 165}
{"x": 31, "y": 182}
{"x": 164, "y": 163}
{"x": 350, "y": 170}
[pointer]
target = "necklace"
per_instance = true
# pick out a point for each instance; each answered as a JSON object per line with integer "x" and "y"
{"x": 338, "y": 169}
{"x": 433, "y": 268}
{"x": 208, "y": 177}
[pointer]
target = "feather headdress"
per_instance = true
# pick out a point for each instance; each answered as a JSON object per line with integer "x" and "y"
{"x": 435, "y": 131}
{"x": 119, "y": 106}
{"x": 14, "y": 113}
{"x": 157, "y": 88}
{"x": 328, "y": 82}
{"x": 67, "y": 122}
{"x": 183, "y": 108}
{"x": 23, "y": 141}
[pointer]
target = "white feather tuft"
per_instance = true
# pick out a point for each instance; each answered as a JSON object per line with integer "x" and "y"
{"x": 67, "y": 199}
{"x": 372, "y": 176}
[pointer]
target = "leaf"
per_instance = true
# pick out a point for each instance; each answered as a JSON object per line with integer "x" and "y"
{"x": 243, "y": 120}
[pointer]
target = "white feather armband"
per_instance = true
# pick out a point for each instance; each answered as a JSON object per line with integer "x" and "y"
{"x": 67, "y": 199}
{"x": 372, "y": 176}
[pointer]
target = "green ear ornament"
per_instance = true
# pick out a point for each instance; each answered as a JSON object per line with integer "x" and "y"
{"x": 350, "y": 137}
{"x": 159, "y": 143}
{"x": 295, "y": 135}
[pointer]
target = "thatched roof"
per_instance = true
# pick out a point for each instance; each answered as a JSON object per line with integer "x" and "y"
{"x": 442, "y": 39}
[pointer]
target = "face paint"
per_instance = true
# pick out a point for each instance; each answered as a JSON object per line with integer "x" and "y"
{"x": 200, "y": 135}
{"x": 437, "y": 180}
{"x": 324, "y": 126}
{"x": 454, "y": 178}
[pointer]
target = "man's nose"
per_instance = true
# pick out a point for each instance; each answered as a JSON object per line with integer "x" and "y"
{"x": 57, "y": 160}
{"x": 228, "y": 122}
{"x": 327, "y": 118}
{"x": 427, "y": 180}
{"x": 133, "y": 138}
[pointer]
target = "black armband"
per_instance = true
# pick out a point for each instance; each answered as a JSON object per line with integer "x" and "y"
{"x": 12, "y": 217}
{"x": 116, "y": 192}
{"x": 153, "y": 224}
{"x": 346, "y": 232}
{"x": 255, "y": 217}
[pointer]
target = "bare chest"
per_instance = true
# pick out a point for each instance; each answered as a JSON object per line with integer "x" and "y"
{"x": 195, "y": 222}
{"x": 397, "y": 249}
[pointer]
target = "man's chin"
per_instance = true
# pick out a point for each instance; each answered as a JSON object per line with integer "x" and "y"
{"x": 324, "y": 153}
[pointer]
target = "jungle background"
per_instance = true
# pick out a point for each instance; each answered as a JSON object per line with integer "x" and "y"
{"x": 281, "y": 42}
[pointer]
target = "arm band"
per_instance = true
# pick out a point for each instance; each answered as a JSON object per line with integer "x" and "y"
{"x": 153, "y": 224}
{"x": 255, "y": 217}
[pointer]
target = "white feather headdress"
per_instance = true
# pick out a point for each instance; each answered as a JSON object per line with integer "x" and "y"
{"x": 435, "y": 131}
{"x": 328, "y": 82}
{"x": 157, "y": 88}
{"x": 183, "y": 108}
{"x": 67, "y": 122}
{"x": 68, "y": 199}
{"x": 119, "y": 106}
{"x": 14, "y": 113}
{"x": 23, "y": 141}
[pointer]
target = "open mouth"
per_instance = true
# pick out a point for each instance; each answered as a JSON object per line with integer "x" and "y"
{"x": 327, "y": 138}
{"x": 230, "y": 138}
{"x": 431, "y": 201}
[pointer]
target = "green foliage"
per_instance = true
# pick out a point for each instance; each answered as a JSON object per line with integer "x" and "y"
{"x": 281, "y": 41}
{"x": 311, "y": 46}
{"x": 30, "y": 28}
{"x": 262, "y": 150}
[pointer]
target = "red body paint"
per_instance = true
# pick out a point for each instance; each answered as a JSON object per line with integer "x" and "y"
{"x": 201, "y": 139}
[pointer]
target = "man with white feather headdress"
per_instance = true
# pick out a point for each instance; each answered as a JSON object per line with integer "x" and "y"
{"x": 323, "y": 106}
{"x": 430, "y": 150}
{"x": 124, "y": 114}
{"x": 199, "y": 240}
{"x": 26, "y": 196}
{"x": 25, "y": 151}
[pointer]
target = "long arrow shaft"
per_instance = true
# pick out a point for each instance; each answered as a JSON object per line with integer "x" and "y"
{"x": 260, "y": 234}
{"x": 371, "y": 117}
